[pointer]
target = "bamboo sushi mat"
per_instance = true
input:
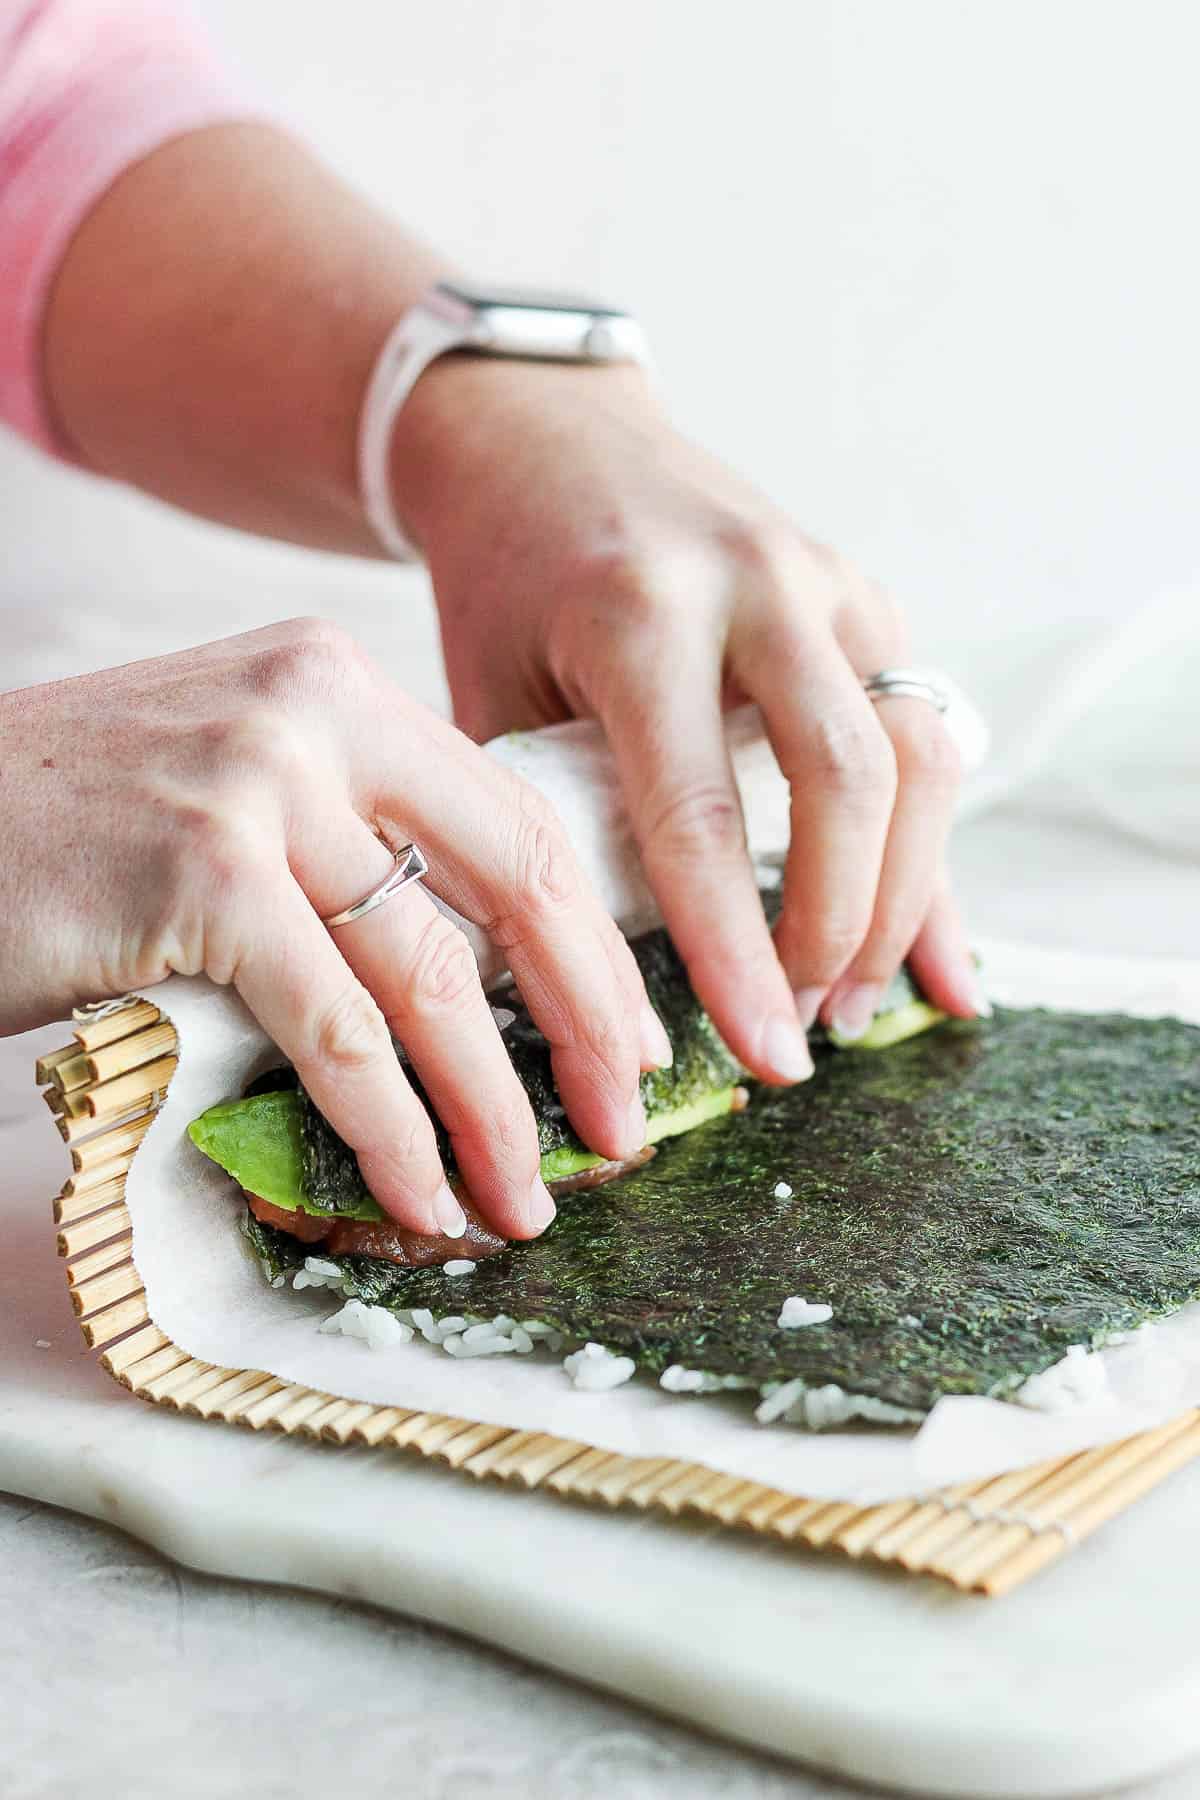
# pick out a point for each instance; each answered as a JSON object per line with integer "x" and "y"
{"x": 984, "y": 1537}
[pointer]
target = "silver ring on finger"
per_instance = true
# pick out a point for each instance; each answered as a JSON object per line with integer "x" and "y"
{"x": 410, "y": 866}
{"x": 907, "y": 684}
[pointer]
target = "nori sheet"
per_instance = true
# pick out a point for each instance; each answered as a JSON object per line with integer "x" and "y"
{"x": 332, "y": 1182}
{"x": 971, "y": 1203}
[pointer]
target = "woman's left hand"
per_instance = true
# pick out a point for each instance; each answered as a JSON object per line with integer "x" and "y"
{"x": 588, "y": 561}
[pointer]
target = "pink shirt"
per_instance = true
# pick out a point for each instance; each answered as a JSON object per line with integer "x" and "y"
{"x": 86, "y": 88}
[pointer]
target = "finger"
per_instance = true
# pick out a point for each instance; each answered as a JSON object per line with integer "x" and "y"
{"x": 842, "y": 774}
{"x": 499, "y": 855}
{"x": 941, "y": 960}
{"x": 665, "y": 729}
{"x": 304, "y": 994}
{"x": 424, "y": 978}
{"x": 929, "y": 772}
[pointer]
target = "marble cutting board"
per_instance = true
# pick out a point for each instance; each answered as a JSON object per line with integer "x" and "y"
{"x": 1085, "y": 1680}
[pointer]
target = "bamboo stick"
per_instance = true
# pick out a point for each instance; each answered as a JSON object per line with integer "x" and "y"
{"x": 338, "y": 1430}
{"x": 83, "y": 1186}
{"x": 265, "y": 1411}
{"x": 235, "y": 1410}
{"x": 91, "y": 1034}
{"x": 209, "y": 1403}
{"x": 1052, "y": 1505}
{"x": 858, "y": 1536}
{"x": 70, "y": 1208}
{"x": 483, "y": 1462}
{"x": 116, "y": 1320}
{"x": 538, "y": 1460}
{"x": 303, "y": 1407}
{"x": 1172, "y": 1455}
{"x": 314, "y": 1425}
{"x": 964, "y": 1513}
{"x": 730, "y": 1507}
{"x": 143, "y": 1375}
{"x": 581, "y": 1476}
{"x": 788, "y": 1523}
{"x": 118, "y": 1141}
{"x": 763, "y": 1508}
{"x": 101, "y": 1291}
{"x": 675, "y": 1495}
{"x": 198, "y": 1384}
{"x": 128, "y": 1053}
{"x": 714, "y": 1492}
{"x": 820, "y": 1532}
{"x": 120, "y": 1357}
{"x": 173, "y": 1381}
{"x": 114, "y": 1221}
{"x": 399, "y": 1424}
{"x": 477, "y": 1438}
{"x": 44, "y": 1067}
{"x": 71, "y": 1073}
{"x": 97, "y": 1261}
{"x": 125, "y": 1092}
{"x": 634, "y": 1479}
{"x": 442, "y": 1432}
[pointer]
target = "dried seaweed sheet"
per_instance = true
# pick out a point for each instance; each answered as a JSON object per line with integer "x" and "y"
{"x": 971, "y": 1203}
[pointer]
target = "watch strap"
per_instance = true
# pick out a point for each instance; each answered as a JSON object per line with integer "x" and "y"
{"x": 425, "y": 332}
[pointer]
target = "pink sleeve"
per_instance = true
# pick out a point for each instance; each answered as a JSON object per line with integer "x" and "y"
{"x": 86, "y": 88}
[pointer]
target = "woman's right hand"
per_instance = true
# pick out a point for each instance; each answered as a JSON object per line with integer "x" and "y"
{"x": 203, "y": 812}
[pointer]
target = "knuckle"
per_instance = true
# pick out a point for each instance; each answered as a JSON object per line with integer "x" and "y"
{"x": 928, "y": 754}
{"x": 702, "y": 818}
{"x": 644, "y": 587}
{"x": 511, "y": 1133}
{"x": 349, "y": 1031}
{"x": 443, "y": 974}
{"x": 544, "y": 879}
{"x": 765, "y": 549}
{"x": 265, "y": 742}
{"x": 853, "y": 758}
{"x": 835, "y": 948}
{"x": 605, "y": 1035}
{"x": 224, "y": 843}
{"x": 313, "y": 654}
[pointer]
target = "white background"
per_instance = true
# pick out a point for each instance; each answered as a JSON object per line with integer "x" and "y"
{"x": 926, "y": 271}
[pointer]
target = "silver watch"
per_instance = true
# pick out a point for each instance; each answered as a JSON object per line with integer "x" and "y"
{"x": 513, "y": 322}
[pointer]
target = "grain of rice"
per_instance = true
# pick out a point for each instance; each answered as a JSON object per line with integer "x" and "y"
{"x": 459, "y": 1265}
{"x": 797, "y": 1313}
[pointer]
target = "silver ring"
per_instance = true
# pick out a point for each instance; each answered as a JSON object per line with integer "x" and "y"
{"x": 410, "y": 866}
{"x": 906, "y": 684}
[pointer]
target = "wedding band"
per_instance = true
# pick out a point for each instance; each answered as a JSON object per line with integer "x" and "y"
{"x": 410, "y": 866}
{"x": 907, "y": 684}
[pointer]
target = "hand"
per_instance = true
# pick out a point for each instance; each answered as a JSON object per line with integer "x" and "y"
{"x": 203, "y": 812}
{"x": 587, "y": 561}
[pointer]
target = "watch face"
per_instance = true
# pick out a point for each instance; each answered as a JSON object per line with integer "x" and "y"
{"x": 531, "y": 300}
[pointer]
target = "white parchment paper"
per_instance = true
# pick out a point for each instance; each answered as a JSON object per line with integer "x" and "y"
{"x": 207, "y": 1292}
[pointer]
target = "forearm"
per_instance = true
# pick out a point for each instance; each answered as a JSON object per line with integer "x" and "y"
{"x": 213, "y": 324}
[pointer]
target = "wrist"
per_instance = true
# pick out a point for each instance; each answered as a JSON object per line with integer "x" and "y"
{"x": 470, "y": 419}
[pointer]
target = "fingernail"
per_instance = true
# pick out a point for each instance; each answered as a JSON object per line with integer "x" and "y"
{"x": 979, "y": 1001}
{"x": 655, "y": 1044}
{"x": 541, "y": 1208}
{"x": 785, "y": 1048}
{"x": 449, "y": 1214}
{"x": 808, "y": 1001}
{"x": 635, "y": 1126}
{"x": 854, "y": 1009}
